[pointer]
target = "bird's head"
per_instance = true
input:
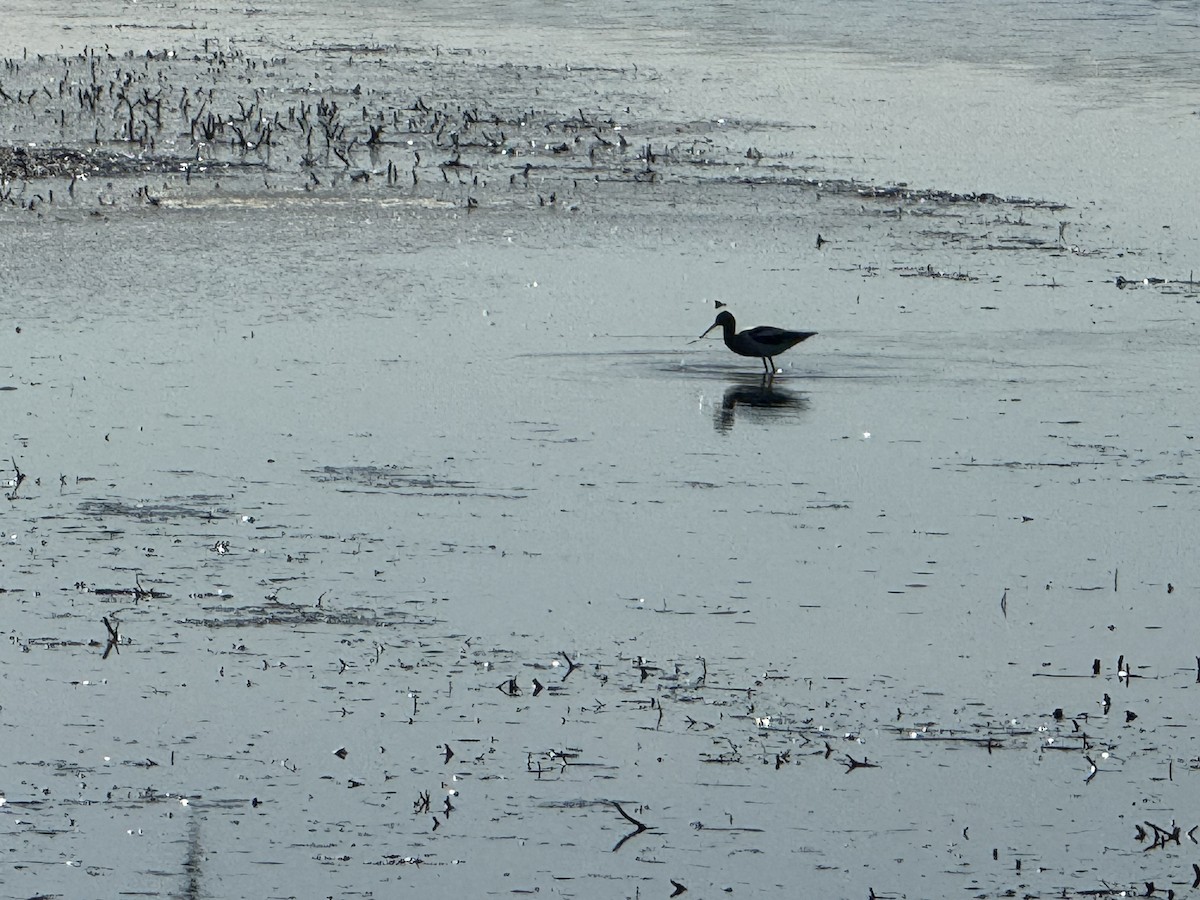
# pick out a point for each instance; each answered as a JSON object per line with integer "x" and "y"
{"x": 724, "y": 319}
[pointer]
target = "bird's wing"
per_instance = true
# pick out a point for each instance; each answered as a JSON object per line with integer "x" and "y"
{"x": 770, "y": 336}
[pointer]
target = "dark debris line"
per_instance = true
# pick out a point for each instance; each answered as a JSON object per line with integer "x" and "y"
{"x": 394, "y": 119}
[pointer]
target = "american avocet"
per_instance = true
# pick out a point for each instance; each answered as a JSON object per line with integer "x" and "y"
{"x": 764, "y": 341}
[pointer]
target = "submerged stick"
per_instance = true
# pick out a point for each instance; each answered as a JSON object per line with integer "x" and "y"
{"x": 20, "y": 476}
{"x": 113, "y": 638}
{"x": 851, "y": 764}
{"x": 571, "y": 666}
{"x": 639, "y": 827}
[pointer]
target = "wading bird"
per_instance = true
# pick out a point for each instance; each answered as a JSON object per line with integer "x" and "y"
{"x": 764, "y": 341}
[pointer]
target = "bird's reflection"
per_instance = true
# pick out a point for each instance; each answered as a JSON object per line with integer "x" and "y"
{"x": 758, "y": 401}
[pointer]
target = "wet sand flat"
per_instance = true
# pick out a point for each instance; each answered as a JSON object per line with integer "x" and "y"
{"x": 374, "y": 524}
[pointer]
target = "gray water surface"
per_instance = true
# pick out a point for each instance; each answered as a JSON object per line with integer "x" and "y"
{"x": 374, "y": 524}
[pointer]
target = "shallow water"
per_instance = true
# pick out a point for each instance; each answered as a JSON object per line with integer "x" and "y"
{"x": 428, "y": 536}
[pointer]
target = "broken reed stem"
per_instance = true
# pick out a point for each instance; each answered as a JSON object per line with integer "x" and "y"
{"x": 18, "y": 478}
{"x": 639, "y": 827}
